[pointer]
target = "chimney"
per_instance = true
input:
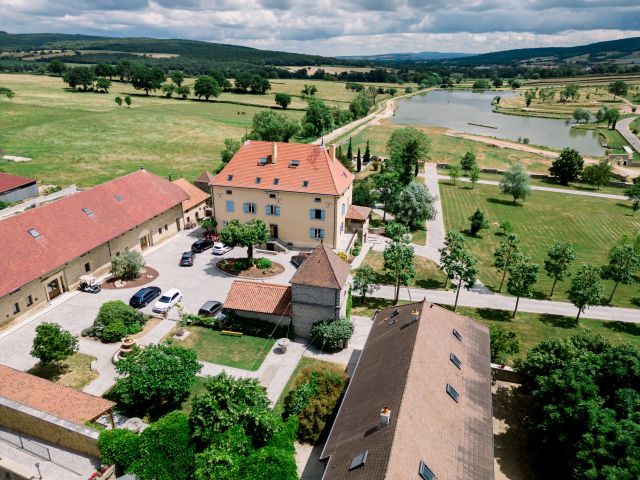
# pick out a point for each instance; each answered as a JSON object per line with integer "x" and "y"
{"x": 332, "y": 151}
{"x": 385, "y": 416}
{"x": 274, "y": 153}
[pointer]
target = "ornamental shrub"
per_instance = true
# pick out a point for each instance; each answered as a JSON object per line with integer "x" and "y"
{"x": 114, "y": 332}
{"x": 330, "y": 335}
{"x": 119, "y": 447}
{"x": 314, "y": 398}
{"x": 263, "y": 263}
{"x": 127, "y": 321}
{"x": 127, "y": 265}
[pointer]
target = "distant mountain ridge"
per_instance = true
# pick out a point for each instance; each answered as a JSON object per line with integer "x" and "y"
{"x": 407, "y": 56}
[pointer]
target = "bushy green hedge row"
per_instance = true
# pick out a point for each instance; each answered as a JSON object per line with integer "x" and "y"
{"x": 313, "y": 400}
{"x": 115, "y": 321}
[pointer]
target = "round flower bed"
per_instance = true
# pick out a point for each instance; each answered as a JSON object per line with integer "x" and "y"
{"x": 240, "y": 267}
{"x": 147, "y": 275}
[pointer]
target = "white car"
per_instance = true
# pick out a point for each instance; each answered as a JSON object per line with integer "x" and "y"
{"x": 220, "y": 249}
{"x": 167, "y": 300}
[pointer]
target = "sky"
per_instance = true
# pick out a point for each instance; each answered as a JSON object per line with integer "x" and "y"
{"x": 338, "y": 27}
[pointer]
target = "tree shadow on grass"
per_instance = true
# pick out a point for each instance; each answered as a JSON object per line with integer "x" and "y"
{"x": 429, "y": 283}
{"x": 495, "y": 315}
{"x": 501, "y": 201}
{"x": 623, "y": 327}
{"x": 52, "y": 371}
{"x": 557, "y": 321}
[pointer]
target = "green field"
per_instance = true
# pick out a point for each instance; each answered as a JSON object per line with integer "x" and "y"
{"x": 448, "y": 149}
{"x": 532, "y": 328}
{"x": 593, "y": 225}
{"x": 85, "y": 138}
{"x": 428, "y": 275}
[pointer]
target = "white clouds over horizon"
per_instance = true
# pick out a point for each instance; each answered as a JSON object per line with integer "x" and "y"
{"x": 338, "y": 27}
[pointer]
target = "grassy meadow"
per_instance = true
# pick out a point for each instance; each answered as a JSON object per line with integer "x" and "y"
{"x": 592, "y": 224}
{"x": 448, "y": 149}
{"x": 85, "y": 138}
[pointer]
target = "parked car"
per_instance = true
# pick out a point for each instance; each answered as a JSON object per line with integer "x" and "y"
{"x": 201, "y": 245}
{"x": 144, "y": 296}
{"x": 187, "y": 259}
{"x": 220, "y": 248}
{"x": 298, "y": 260}
{"x": 168, "y": 300}
{"x": 210, "y": 309}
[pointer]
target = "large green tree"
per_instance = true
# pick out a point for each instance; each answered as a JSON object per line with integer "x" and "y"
{"x": 80, "y": 77}
{"x": 245, "y": 235}
{"x": 597, "y": 174}
{"x": 458, "y": 264}
{"x": 156, "y": 376}
{"x": 568, "y": 166}
{"x": 408, "y": 147}
{"x": 53, "y": 344}
{"x": 318, "y": 118}
{"x": 365, "y": 280}
{"x": 507, "y": 253}
{"x": 206, "y": 87}
{"x": 502, "y": 343}
{"x": 624, "y": 262}
{"x": 618, "y": 88}
{"x": 633, "y": 194}
{"x": 273, "y": 127}
{"x": 147, "y": 79}
{"x": 398, "y": 262}
{"x": 515, "y": 182}
{"x": 360, "y": 105}
{"x": 523, "y": 274}
{"x": 177, "y": 77}
{"x": 283, "y": 100}
{"x": 586, "y": 288}
{"x": 414, "y": 206}
{"x": 388, "y": 188}
{"x": 468, "y": 161}
{"x": 559, "y": 258}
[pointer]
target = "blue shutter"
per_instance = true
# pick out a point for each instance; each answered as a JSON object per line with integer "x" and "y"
{"x": 229, "y": 205}
{"x": 267, "y": 209}
{"x": 312, "y": 213}
{"x": 277, "y": 211}
{"x": 321, "y": 214}
{"x": 321, "y": 231}
{"x": 311, "y": 231}
{"x": 245, "y": 208}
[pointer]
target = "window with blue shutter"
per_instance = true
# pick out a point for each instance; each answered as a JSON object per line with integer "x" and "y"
{"x": 277, "y": 211}
{"x": 316, "y": 233}
{"x": 230, "y": 206}
{"x": 249, "y": 207}
{"x": 312, "y": 233}
{"x": 316, "y": 214}
{"x": 321, "y": 214}
{"x": 245, "y": 208}
{"x": 321, "y": 232}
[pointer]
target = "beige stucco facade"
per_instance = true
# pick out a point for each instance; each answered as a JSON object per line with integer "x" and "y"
{"x": 293, "y": 224}
{"x": 195, "y": 213}
{"x": 39, "y": 292}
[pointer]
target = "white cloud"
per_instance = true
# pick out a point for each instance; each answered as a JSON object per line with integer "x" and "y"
{"x": 338, "y": 27}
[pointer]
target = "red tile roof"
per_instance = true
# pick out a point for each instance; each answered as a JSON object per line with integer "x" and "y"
{"x": 196, "y": 196}
{"x": 323, "y": 269}
{"x": 259, "y": 297}
{"x": 11, "y": 182}
{"x": 66, "y": 231}
{"x": 324, "y": 175}
{"x": 355, "y": 212}
{"x": 46, "y": 396}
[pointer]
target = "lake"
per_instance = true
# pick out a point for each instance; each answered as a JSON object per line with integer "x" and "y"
{"x": 455, "y": 109}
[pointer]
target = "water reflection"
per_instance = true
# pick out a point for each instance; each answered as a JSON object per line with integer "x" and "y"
{"x": 472, "y": 112}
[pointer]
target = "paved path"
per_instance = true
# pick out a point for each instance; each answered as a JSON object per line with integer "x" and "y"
{"x": 622, "y": 126}
{"x": 435, "y": 227}
{"x": 484, "y": 298}
{"x": 547, "y": 189}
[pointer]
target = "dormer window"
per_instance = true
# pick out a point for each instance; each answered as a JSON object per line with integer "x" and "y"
{"x": 262, "y": 161}
{"x": 276, "y": 181}
{"x": 294, "y": 163}
{"x": 229, "y": 178}
{"x": 34, "y": 233}
{"x": 118, "y": 197}
{"x": 258, "y": 180}
{"x": 305, "y": 183}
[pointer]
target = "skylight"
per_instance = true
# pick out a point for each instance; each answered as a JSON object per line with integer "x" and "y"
{"x": 229, "y": 178}
{"x": 455, "y": 360}
{"x": 294, "y": 163}
{"x": 359, "y": 460}
{"x": 262, "y": 161}
{"x": 425, "y": 472}
{"x": 119, "y": 197}
{"x": 87, "y": 210}
{"x": 34, "y": 233}
{"x": 457, "y": 334}
{"x": 305, "y": 183}
{"x": 452, "y": 392}
{"x": 258, "y": 179}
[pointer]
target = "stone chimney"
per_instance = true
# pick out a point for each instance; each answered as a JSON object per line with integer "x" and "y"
{"x": 274, "y": 153}
{"x": 385, "y": 416}
{"x": 332, "y": 151}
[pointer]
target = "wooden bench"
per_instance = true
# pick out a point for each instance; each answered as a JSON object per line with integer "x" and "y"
{"x": 232, "y": 333}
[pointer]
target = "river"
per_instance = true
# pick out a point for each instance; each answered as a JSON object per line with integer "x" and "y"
{"x": 457, "y": 109}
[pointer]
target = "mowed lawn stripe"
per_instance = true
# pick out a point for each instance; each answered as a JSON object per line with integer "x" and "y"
{"x": 593, "y": 225}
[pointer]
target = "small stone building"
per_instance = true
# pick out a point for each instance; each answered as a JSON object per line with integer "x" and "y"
{"x": 358, "y": 221}
{"x": 195, "y": 208}
{"x": 318, "y": 291}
